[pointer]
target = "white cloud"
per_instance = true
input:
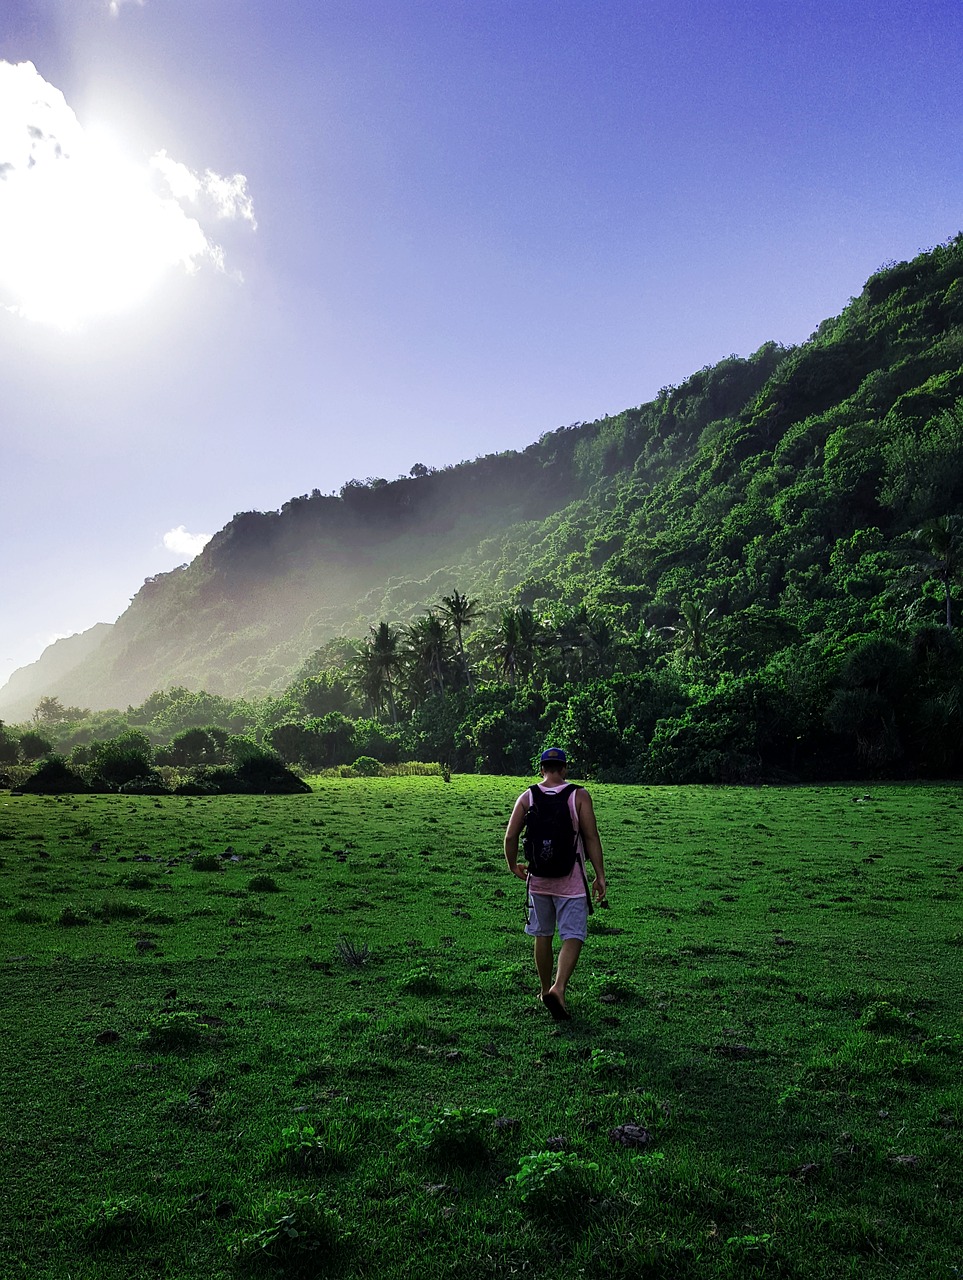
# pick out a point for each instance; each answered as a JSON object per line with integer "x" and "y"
{"x": 226, "y": 197}
{"x": 84, "y": 231}
{"x": 187, "y": 544}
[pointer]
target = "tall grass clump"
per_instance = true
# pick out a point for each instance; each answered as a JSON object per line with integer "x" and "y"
{"x": 453, "y": 1135}
{"x": 120, "y": 1222}
{"x": 304, "y": 1149}
{"x": 291, "y": 1233}
{"x": 175, "y": 1032}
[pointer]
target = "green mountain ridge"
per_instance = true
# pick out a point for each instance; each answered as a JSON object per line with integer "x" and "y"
{"x": 778, "y": 490}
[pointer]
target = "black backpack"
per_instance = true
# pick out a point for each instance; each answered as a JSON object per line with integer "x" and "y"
{"x": 550, "y": 841}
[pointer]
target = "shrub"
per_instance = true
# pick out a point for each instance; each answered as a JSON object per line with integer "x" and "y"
{"x": 206, "y": 780}
{"x": 266, "y": 775}
{"x": 367, "y": 767}
{"x": 150, "y": 784}
{"x": 54, "y": 776}
{"x": 555, "y": 1183}
{"x": 352, "y": 954}
{"x": 120, "y": 760}
{"x": 263, "y": 884}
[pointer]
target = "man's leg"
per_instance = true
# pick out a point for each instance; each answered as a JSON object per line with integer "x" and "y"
{"x": 544, "y": 959}
{"x": 567, "y": 960}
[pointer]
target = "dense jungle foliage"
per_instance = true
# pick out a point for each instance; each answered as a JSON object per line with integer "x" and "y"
{"x": 755, "y": 576}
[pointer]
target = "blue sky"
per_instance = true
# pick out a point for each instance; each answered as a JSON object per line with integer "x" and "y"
{"x": 307, "y": 242}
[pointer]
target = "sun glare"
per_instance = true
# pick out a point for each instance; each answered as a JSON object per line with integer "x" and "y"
{"x": 93, "y": 239}
{"x": 84, "y": 231}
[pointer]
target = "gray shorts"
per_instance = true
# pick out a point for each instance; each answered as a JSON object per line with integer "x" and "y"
{"x": 569, "y": 914}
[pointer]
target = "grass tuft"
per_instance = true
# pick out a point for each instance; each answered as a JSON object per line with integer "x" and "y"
{"x": 206, "y": 862}
{"x": 352, "y": 955}
{"x": 263, "y": 884}
{"x": 453, "y": 1135}
{"x": 72, "y": 918}
{"x": 120, "y": 1223}
{"x": 292, "y": 1234}
{"x": 177, "y": 1032}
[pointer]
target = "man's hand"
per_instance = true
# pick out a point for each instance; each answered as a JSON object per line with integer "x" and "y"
{"x": 598, "y": 889}
{"x": 520, "y": 870}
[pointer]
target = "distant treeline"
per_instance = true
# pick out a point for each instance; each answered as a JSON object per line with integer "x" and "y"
{"x": 755, "y": 576}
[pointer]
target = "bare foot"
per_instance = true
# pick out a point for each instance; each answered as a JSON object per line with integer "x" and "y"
{"x": 556, "y": 1007}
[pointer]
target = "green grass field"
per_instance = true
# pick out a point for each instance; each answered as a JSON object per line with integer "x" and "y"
{"x": 299, "y": 1036}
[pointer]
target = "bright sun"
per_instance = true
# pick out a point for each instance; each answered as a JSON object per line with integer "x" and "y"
{"x": 92, "y": 238}
{"x": 84, "y": 232}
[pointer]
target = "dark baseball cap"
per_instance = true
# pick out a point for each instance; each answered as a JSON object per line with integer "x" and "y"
{"x": 554, "y": 755}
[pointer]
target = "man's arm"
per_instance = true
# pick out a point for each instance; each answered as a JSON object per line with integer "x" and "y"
{"x": 512, "y": 833}
{"x": 591, "y": 841}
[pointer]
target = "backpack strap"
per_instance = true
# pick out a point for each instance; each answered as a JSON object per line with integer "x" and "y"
{"x": 580, "y": 861}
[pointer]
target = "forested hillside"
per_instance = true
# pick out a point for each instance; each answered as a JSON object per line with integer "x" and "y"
{"x": 754, "y": 574}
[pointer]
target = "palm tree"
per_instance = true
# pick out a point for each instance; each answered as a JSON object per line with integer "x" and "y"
{"x": 690, "y": 633}
{"x": 461, "y": 613}
{"x": 508, "y": 644}
{"x": 941, "y": 549}
{"x": 366, "y": 677}
{"x": 530, "y": 632}
{"x": 518, "y": 636}
{"x": 601, "y": 638}
{"x": 386, "y": 660}
{"x": 427, "y": 648}
{"x": 571, "y": 640}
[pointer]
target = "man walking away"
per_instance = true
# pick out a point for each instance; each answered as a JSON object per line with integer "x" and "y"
{"x": 561, "y": 832}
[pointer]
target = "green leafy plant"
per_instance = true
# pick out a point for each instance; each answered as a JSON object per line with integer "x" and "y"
{"x": 555, "y": 1183}
{"x": 304, "y": 1149}
{"x": 882, "y": 1015}
{"x": 608, "y": 1062}
{"x": 71, "y": 917}
{"x": 292, "y": 1233}
{"x": 252, "y": 911}
{"x": 118, "y": 909}
{"x": 367, "y": 767}
{"x": 649, "y": 1160}
{"x": 614, "y": 989}
{"x": 419, "y": 980}
{"x": 455, "y": 1134}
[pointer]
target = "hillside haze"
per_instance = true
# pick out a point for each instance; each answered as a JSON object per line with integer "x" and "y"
{"x": 764, "y": 484}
